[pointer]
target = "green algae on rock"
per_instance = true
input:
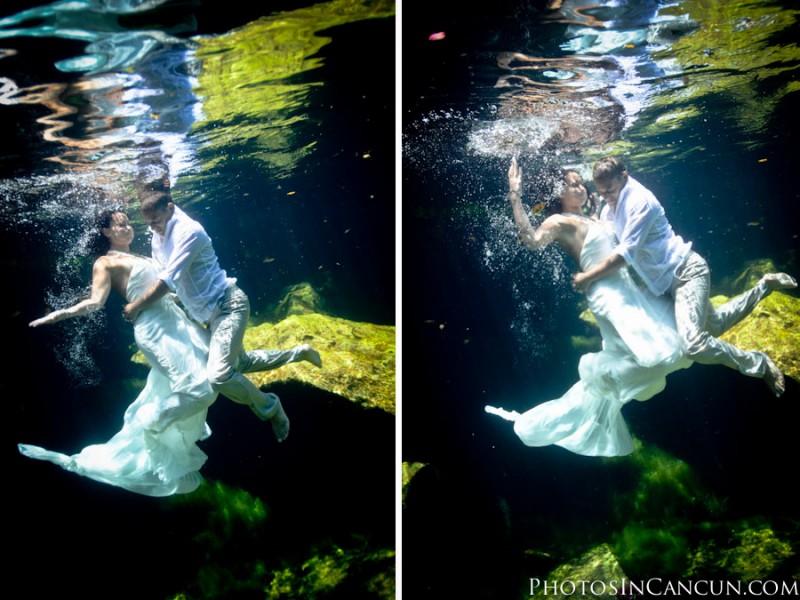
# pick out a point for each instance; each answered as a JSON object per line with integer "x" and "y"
{"x": 358, "y": 359}
{"x": 772, "y": 328}
{"x": 595, "y": 574}
{"x": 409, "y": 470}
{"x": 666, "y": 491}
{"x": 355, "y": 572}
{"x": 754, "y": 553}
{"x": 298, "y": 299}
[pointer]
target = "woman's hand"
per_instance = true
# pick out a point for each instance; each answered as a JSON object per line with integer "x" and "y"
{"x": 581, "y": 282}
{"x": 43, "y": 321}
{"x": 54, "y": 316}
{"x": 130, "y": 312}
{"x": 514, "y": 176}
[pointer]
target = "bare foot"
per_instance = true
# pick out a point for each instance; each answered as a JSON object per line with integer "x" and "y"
{"x": 310, "y": 354}
{"x": 779, "y": 281}
{"x": 774, "y": 378}
{"x": 273, "y": 411}
{"x": 280, "y": 423}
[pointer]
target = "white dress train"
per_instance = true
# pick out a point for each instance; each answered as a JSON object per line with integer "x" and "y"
{"x": 640, "y": 348}
{"x": 155, "y": 453}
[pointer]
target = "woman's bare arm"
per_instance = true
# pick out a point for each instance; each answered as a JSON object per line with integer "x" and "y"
{"x": 101, "y": 287}
{"x": 533, "y": 238}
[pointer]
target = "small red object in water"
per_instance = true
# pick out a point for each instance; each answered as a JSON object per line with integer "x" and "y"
{"x": 435, "y": 37}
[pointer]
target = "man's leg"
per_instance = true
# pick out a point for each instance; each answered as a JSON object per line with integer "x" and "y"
{"x": 266, "y": 360}
{"x": 227, "y": 329}
{"x": 692, "y": 307}
{"x": 729, "y": 314}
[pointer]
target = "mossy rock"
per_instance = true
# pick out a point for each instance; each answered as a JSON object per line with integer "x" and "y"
{"x": 298, "y": 299}
{"x": 410, "y": 469}
{"x": 656, "y": 511}
{"x": 598, "y": 568}
{"x": 358, "y": 358}
{"x": 772, "y": 328}
{"x": 754, "y": 553}
{"x": 333, "y": 571}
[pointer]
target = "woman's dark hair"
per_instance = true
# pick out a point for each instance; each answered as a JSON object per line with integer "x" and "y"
{"x": 99, "y": 244}
{"x": 553, "y": 184}
{"x": 546, "y": 183}
{"x": 592, "y": 206}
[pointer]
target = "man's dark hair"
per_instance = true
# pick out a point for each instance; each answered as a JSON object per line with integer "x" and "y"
{"x": 608, "y": 168}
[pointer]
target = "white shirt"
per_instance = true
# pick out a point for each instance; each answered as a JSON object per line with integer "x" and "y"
{"x": 646, "y": 239}
{"x": 189, "y": 265}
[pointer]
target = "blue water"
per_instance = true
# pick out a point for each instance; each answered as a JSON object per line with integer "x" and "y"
{"x": 710, "y": 127}
{"x": 292, "y": 176}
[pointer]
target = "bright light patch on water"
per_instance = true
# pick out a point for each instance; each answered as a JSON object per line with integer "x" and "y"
{"x": 511, "y": 137}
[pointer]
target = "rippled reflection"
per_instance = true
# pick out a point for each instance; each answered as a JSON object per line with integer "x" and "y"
{"x": 135, "y": 94}
{"x": 158, "y": 91}
{"x": 594, "y": 90}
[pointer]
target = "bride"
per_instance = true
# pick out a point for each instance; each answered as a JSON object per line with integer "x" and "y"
{"x": 640, "y": 343}
{"x": 155, "y": 453}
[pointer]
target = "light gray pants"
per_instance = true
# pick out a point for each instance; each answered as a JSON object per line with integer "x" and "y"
{"x": 227, "y": 359}
{"x": 699, "y": 323}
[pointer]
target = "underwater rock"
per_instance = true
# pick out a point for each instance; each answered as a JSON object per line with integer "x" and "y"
{"x": 656, "y": 512}
{"x": 410, "y": 469}
{"x": 757, "y": 554}
{"x": 358, "y": 359}
{"x": 298, "y": 299}
{"x": 771, "y": 328}
{"x": 595, "y": 574}
{"x": 226, "y": 517}
{"x": 354, "y": 573}
{"x": 592, "y": 341}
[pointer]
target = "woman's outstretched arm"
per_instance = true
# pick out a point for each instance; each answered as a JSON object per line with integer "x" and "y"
{"x": 101, "y": 287}
{"x": 533, "y": 238}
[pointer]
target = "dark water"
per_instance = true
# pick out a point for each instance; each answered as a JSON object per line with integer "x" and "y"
{"x": 695, "y": 97}
{"x": 281, "y": 142}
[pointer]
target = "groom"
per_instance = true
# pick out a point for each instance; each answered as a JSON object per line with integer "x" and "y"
{"x": 667, "y": 264}
{"x": 189, "y": 267}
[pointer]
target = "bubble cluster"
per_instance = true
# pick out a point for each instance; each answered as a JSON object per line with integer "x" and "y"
{"x": 467, "y": 157}
{"x": 58, "y": 211}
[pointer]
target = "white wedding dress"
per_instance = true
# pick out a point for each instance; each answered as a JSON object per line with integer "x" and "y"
{"x": 640, "y": 348}
{"x": 155, "y": 453}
